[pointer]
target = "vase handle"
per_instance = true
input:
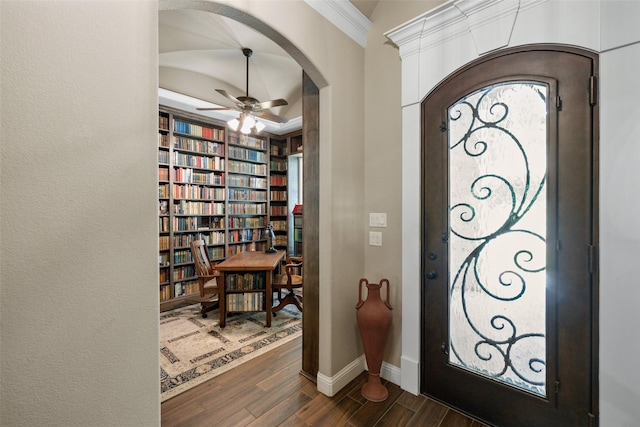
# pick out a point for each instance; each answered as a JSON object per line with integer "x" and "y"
{"x": 360, "y": 302}
{"x": 386, "y": 302}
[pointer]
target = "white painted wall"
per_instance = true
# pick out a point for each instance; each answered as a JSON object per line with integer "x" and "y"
{"x": 441, "y": 41}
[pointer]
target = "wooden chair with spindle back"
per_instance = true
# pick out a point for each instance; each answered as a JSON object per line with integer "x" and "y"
{"x": 207, "y": 276}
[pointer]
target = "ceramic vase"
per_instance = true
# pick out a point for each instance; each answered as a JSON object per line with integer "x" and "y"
{"x": 374, "y": 321}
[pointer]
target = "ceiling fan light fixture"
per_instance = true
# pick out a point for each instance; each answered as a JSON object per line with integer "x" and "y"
{"x": 247, "y": 124}
{"x": 233, "y": 124}
{"x": 259, "y": 126}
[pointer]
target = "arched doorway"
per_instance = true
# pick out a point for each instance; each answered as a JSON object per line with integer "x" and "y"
{"x": 312, "y": 81}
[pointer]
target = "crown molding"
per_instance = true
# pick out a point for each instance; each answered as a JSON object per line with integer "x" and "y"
{"x": 344, "y": 15}
{"x": 457, "y": 18}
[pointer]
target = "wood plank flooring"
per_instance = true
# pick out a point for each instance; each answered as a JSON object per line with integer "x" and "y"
{"x": 270, "y": 391}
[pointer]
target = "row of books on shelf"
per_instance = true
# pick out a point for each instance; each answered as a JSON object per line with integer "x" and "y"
{"x": 246, "y": 154}
{"x": 278, "y": 195}
{"x": 278, "y": 165}
{"x": 198, "y": 130}
{"x": 205, "y": 147}
{"x": 163, "y": 140}
{"x": 245, "y": 302}
{"x": 237, "y": 222}
{"x": 182, "y": 256}
{"x": 164, "y": 243}
{"x": 163, "y": 174}
{"x": 248, "y": 168}
{"x": 163, "y": 224}
{"x": 278, "y": 150}
{"x": 246, "y": 235}
{"x": 245, "y": 281}
{"x": 187, "y": 175}
{"x": 194, "y": 161}
{"x": 278, "y": 180}
{"x": 239, "y": 194}
{"x": 185, "y": 288}
{"x": 164, "y": 275}
{"x": 247, "y": 141}
{"x": 247, "y": 181}
{"x": 163, "y": 207}
{"x": 279, "y": 225}
{"x": 184, "y": 272}
{"x": 165, "y": 293}
{"x": 197, "y": 223}
{"x": 188, "y": 207}
{"x": 163, "y": 157}
{"x": 210, "y": 238}
{"x": 194, "y": 191}
{"x": 278, "y": 210}
{"x": 163, "y": 123}
{"x": 163, "y": 190}
{"x": 247, "y": 209}
{"x": 280, "y": 240}
{"x": 163, "y": 259}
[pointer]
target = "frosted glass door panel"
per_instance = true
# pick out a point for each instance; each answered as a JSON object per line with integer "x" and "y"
{"x": 497, "y": 234}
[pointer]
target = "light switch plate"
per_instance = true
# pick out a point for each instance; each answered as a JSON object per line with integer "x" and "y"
{"x": 375, "y": 238}
{"x": 377, "y": 219}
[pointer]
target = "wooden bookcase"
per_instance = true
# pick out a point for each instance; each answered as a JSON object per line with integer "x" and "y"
{"x": 213, "y": 184}
{"x": 164, "y": 255}
{"x": 247, "y": 199}
{"x": 191, "y": 180}
{"x": 278, "y": 209}
{"x": 297, "y": 233}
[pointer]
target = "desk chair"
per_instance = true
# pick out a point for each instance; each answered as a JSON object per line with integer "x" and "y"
{"x": 207, "y": 276}
{"x": 289, "y": 281}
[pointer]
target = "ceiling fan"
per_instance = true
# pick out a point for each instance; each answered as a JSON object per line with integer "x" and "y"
{"x": 249, "y": 106}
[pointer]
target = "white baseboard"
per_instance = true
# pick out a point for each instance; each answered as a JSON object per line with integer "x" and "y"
{"x": 331, "y": 385}
{"x": 410, "y": 375}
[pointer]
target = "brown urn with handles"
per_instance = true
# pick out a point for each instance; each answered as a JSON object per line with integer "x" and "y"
{"x": 374, "y": 321}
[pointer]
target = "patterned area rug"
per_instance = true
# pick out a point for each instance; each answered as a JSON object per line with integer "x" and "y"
{"x": 194, "y": 350}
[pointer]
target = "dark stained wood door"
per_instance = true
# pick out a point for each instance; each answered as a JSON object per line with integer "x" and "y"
{"x": 510, "y": 236}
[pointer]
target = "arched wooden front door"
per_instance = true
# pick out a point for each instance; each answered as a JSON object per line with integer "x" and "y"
{"x": 510, "y": 237}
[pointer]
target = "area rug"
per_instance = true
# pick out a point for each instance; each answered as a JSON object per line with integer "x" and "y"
{"x": 194, "y": 350}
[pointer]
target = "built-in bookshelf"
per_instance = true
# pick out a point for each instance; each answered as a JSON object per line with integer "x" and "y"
{"x": 297, "y": 230}
{"x": 220, "y": 186}
{"x": 247, "y": 192}
{"x": 278, "y": 209}
{"x": 164, "y": 247}
{"x": 196, "y": 199}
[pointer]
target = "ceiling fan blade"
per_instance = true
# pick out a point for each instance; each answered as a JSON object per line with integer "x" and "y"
{"x": 215, "y": 109}
{"x": 231, "y": 97}
{"x": 271, "y": 117}
{"x": 272, "y": 103}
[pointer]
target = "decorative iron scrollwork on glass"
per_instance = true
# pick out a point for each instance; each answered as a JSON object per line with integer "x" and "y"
{"x": 497, "y": 233}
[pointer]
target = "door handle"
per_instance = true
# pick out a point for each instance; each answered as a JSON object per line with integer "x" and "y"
{"x": 432, "y": 275}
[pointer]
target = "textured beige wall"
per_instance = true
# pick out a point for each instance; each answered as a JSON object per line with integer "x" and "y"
{"x": 383, "y": 163}
{"x": 78, "y": 277}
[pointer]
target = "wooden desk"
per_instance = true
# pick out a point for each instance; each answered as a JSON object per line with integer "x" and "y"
{"x": 248, "y": 262}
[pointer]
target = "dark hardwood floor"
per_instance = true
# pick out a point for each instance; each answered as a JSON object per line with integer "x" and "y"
{"x": 270, "y": 391}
